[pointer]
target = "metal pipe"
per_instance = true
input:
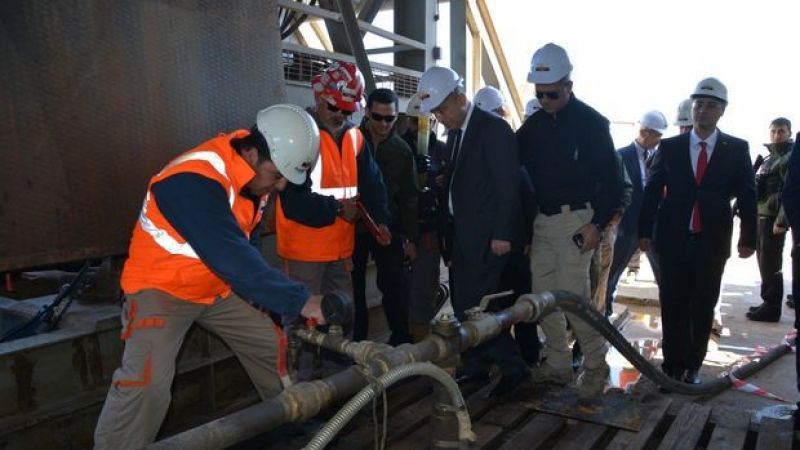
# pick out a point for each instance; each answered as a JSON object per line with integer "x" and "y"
{"x": 337, "y": 422}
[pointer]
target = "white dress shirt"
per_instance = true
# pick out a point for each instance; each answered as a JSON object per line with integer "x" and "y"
{"x": 470, "y": 106}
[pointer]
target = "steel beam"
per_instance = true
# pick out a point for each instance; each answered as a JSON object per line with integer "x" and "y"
{"x": 458, "y": 37}
{"x": 356, "y": 43}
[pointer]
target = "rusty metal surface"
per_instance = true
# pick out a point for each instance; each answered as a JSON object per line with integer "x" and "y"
{"x": 98, "y": 95}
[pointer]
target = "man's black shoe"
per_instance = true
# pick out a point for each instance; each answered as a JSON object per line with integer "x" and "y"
{"x": 765, "y": 314}
{"x": 465, "y": 378}
{"x": 509, "y": 382}
{"x": 692, "y": 377}
{"x": 754, "y": 308}
{"x": 790, "y": 301}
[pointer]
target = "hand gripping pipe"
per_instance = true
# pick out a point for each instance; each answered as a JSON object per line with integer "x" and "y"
{"x": 305, "y": 400}
{"x": 335, "y": 424}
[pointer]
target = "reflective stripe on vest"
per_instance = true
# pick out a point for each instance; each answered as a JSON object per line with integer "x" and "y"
{"x": 352, "y": 142}
{"x": 160, "y": 236}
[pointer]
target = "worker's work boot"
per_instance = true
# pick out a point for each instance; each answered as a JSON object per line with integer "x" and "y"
{"x": 546, "y": 373}
{"x": 592, "y": 382}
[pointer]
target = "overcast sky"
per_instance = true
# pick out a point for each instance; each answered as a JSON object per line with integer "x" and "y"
{"x": 631, "y": 56}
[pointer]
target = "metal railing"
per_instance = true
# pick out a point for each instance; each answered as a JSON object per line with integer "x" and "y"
{"x": 302, "y": 63}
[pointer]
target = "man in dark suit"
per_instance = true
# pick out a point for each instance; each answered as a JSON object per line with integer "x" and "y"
{"x": 480, "y": 196}
{"x": 701, "y": 171}
{"x": 635, "y": 157}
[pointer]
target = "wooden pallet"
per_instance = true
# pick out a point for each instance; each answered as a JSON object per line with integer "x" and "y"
{"x": 513, "y": 424}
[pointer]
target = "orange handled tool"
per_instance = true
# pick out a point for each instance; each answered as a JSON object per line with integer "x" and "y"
{"x": 380, "y": 234}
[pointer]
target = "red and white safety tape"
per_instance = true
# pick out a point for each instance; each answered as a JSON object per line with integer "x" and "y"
{"x": 759, "y": 351}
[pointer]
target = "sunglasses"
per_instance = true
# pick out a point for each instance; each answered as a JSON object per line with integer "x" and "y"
{"x": 380, "y": 117}
{"x": 552, "y": 95}
{"x": 334, "y": 109}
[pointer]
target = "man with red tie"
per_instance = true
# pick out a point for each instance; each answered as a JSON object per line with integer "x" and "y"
{"x": 701, "y": 171}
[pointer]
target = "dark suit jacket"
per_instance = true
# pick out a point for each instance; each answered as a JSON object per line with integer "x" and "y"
{"x": 630, "y": 220}
{"x": 485, "y": 185}
{"x": 729, "y": 174}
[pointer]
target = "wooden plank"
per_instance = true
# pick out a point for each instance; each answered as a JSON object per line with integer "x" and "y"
{"x": 420, "y": 438}
{"x": 628, "y": 440}
{"x": 687, "y": 428}
{"x": 486, "y": 433}
{"x": 534, "y": 433}
{"x": 730, "y": 429}
{"x": 401, "y": 423}
{"x": 477, "y": 405}
{"x": 506, "y": 414}
{"x": 580, "y": 436}
{"x": 404, "y": 395}
{"x": 775, "y": 434}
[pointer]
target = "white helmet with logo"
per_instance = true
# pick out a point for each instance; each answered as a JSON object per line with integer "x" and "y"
{"x": 293, "y": 139}
{"x": 532, "y": 106}
{"x": 711, "y": 88}
{"x": 549, "y": 65}
{"x": 413, "y": 107}
{"x": 684, "y": 118}
{"x": 655, "y": 121}
{"x": 435, "y": 85}
{"x": 489, "y": 98}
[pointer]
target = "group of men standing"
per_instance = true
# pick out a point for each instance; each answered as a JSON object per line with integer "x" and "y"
{"x": 527, "y": 209}
{"x": 669, "y": 198}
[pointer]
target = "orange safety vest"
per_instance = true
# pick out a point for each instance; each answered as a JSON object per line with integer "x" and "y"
{"x": 335, "y": 174}
{"x": 159, "y": 257}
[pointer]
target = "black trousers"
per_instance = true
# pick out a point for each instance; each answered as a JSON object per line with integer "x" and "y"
{"x": 688, "y": 292}
{"x": 624, "y": 248}
{"x": 516, "y": 276}
{"x": 470, "y": 281}
{"x": 769, "y": 250}
{"x": 795, "y": 294}
{"x": 392, "y": 282}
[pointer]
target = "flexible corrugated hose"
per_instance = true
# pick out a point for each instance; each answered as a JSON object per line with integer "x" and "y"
{"x": 337, "y": 422}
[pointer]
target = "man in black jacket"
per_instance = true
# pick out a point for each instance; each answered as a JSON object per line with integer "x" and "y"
{"x": 480, "y": 196}
{"x": 397, "y": 166}
{"x": 701, "y": 171}
{"x": 569, "y": 154}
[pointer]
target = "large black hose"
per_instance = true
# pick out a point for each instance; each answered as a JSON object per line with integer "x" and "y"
{"x": 572, "y": 303}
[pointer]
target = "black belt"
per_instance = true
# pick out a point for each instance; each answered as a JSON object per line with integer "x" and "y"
{"x": 695, "y": 236}
{"x": 551, "y": 211}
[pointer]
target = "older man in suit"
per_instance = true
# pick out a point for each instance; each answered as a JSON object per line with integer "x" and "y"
{"x": 636, "y": 158}
{"x": 701, "y": 171}
{"x": 480, "y": 197}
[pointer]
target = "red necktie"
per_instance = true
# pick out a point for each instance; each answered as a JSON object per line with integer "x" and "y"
{"x": 702, "y": 163}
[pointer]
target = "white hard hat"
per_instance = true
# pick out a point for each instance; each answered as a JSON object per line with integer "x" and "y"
{"x": 549, "y": 64}
{"x": 413, "y": 107}
{"x": 711, "y": 87}
{"x": 293, "y": 139}
{"x": 532, "y": 106}
{"x": 684, "y": 118}
{"x": 435, "y": 85}
{"x": 654, "y": 120}
{"x": 489, "y": 98}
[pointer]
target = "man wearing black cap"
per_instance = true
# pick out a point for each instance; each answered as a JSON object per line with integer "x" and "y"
{"x": 701, "y": 171}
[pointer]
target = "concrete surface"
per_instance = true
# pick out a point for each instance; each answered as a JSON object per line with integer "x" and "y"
{"x": 739, "y": 336}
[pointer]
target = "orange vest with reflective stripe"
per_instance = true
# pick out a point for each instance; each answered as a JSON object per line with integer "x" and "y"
{"x": 159, "y": 257}
{"x": 336, "y": 174}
